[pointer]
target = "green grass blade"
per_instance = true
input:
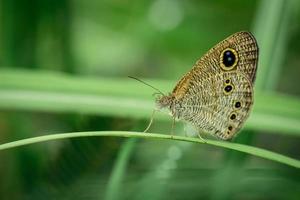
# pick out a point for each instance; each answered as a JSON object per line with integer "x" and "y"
{"x": 53, "y": 92}
{"x": 234, "y": 146}
{"x": 266, "y": 28}
{"x": 114, "y": 187}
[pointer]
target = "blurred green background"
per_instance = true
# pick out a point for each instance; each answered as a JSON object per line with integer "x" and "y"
{"x": 64, "y": 68}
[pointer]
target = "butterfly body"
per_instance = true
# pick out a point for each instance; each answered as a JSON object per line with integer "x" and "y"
{"x": 216, "y": 95}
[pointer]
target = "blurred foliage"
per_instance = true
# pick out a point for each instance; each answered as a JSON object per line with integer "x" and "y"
{"x": 64, "y": 62}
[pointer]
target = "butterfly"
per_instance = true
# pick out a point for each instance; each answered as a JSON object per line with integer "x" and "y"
{"x": 216, "y": 95}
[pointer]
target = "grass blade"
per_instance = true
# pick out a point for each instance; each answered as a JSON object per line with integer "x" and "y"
{"x": 234, "y": 146}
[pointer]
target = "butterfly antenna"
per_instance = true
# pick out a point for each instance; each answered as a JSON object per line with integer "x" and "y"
{"x": 160, "y": 92}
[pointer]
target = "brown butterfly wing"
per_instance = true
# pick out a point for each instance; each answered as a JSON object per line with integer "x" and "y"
{"x": 213, "y": 108}
{"x": 222, "y": 78}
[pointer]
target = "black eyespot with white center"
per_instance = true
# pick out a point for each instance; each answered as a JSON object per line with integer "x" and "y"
{"x": 228, "y": 88}
{"x": 233, "y": 116}
{"x": 237, "y": 104}
{"x": 228, "y": 58}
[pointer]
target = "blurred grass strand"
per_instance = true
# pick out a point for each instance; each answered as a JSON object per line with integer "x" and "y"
{"x": 266, "y": 25}
{"x": 60, "y": 93}
{"x": 280, "y": 50}
{"x": 234, "y": 146}
{"x": 114, "y": 187}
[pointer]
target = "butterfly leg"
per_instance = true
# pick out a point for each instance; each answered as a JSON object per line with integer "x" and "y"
{"x": 151, "y": 121}
{"x": 201, "y": 138}
{"x": 185, "y": 131}
{"x": 173, "y": 127}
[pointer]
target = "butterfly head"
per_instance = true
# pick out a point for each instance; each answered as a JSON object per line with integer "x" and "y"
{"x": 164, "y": 101}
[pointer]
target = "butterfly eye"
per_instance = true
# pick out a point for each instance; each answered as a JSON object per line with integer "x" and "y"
{"x": 157, "y": 95}
{"x": 228, "y": 59}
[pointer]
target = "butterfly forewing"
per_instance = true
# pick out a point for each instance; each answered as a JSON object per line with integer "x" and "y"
{"x": 244, "y": 44}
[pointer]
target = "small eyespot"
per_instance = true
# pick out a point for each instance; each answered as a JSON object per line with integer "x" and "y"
{"x": 229, "y": 128}
{"x": 237, "y": 104}
{"x": 233, "y": 116}
{"x": 228, "y": 88}
{"x": 227, "y": 81}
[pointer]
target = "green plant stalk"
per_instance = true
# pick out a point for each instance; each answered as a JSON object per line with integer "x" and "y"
{"x": 266, "y": 26}
{"x": 234, "y": 146}
{"x": 281, "y": 51}
{"x": 114, "y": 186}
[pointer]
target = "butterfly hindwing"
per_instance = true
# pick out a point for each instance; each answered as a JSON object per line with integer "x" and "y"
{"x": 221, "y": 108}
